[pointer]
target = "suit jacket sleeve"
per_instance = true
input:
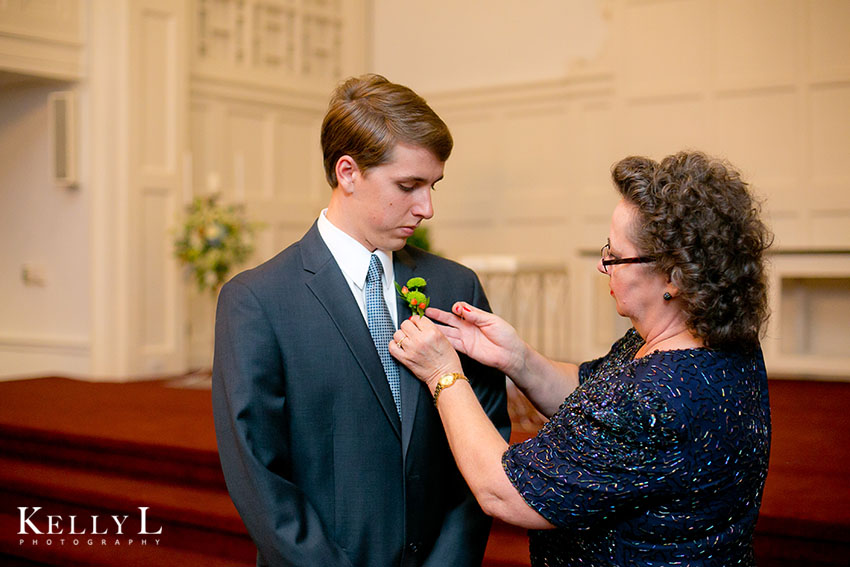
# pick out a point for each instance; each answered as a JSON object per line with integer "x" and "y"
{"x": 463, "y": 537}
{"x": 248, "y": 405}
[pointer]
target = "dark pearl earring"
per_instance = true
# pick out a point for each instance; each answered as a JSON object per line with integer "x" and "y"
{"x": 667, "y": 296}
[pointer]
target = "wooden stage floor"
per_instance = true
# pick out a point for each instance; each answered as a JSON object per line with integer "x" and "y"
{"x": 805, "y": 515}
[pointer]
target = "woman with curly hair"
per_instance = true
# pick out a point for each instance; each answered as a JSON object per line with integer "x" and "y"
{"x": 656, "y": 453}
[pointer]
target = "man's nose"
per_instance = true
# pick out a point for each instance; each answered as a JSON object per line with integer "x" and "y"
{"x": 424, "y": 207}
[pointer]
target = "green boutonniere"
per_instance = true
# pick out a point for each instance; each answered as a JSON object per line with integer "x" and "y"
{"x": 417, "y": 300}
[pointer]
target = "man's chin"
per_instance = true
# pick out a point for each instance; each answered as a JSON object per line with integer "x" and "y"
{"x": 392, "y": 245}
{"x": 400, "y": 244}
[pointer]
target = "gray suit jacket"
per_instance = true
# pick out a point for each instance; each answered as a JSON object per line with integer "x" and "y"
{"x": 316, "y": 459}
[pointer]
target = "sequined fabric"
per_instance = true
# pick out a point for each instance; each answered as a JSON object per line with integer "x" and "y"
{"x": 655, "y": 461}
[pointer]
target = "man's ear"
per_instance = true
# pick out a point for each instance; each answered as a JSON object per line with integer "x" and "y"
{"x": 346, "y": 172}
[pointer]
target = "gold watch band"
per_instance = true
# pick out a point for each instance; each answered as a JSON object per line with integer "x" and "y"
{"x": 447, "y": 381}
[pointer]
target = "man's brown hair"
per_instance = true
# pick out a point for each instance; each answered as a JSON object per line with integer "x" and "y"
{"x": 368, "y": 115}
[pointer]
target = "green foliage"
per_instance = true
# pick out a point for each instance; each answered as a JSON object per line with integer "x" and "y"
{"x": 212, "y": 240}
{"x": 420, "y": 238}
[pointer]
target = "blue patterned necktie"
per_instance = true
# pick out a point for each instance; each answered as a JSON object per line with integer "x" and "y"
{"x": 381, "y": 326}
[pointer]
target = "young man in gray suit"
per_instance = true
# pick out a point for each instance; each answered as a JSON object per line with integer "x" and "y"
{"x": 333, "y": 453}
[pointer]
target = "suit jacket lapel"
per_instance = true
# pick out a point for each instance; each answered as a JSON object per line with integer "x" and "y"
{"x": 328, "y": 285}
{"x": 411, "y": 387}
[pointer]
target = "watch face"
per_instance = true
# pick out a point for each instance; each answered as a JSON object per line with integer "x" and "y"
{"x": 447, "y": 380}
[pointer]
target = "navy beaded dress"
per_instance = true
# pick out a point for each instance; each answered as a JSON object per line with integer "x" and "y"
{"x": 649, "y": 462}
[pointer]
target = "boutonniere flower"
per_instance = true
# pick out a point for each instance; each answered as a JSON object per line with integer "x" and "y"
{"x": 417, "y": 300}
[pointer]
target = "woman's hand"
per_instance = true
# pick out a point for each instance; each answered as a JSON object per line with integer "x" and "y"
{"x": 475, "y": 443}
{"x": 420, "y": 346}
{"x": 483, "y": 336}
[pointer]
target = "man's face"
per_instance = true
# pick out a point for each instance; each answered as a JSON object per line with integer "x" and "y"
{"x": 389, "y": 201}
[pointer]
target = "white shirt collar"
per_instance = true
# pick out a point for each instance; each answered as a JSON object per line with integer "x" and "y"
{"x": 352, "y": 257}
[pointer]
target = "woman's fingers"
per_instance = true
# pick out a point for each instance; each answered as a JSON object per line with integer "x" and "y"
{"x": 413, "y": 334}
{"x": 399, "y": 337}
{"x": 419, "y": 345}
{"x": 469, "y": 313}
{"x": 461, "y": 313}
{"x": 415, "y": 323}
{"x": 441, "y": 316}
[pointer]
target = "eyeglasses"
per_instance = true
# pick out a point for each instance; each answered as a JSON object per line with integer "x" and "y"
{"x": 608, "y": 261}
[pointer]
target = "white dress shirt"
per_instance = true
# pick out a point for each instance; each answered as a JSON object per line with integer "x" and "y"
{"x": 353, "y": 259}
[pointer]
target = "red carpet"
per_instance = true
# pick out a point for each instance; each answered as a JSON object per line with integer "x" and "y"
{"x": 85, "y": 449}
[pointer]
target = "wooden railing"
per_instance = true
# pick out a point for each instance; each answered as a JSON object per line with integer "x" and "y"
{"x": 534, "y": 299}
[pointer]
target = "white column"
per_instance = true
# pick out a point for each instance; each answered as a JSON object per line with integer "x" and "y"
{"x": 138, "y": 88}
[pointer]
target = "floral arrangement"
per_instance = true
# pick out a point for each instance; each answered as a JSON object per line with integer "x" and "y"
{"x": 213, "y": 239}
{"x": 417, "y": 300}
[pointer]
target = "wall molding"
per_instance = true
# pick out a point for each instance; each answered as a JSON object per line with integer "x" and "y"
{"x": 42, "y": 58}
{"x": 803, "y": 265}
{"x": 270, "y": 40}
{"x": 56, "y": 344}
{"x": 313, "y": 99}
{"x": 43, "y": 40}
{"x": 525, "y": 93}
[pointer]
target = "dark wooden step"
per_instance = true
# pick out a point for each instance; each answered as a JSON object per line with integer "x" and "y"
{"x": 197, "y": 521}
{"x": 178, "y": 465}
{"x": 97, "y": 448}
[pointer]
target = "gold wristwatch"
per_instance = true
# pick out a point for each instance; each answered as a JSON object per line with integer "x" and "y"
{"x": 446, "y": 381}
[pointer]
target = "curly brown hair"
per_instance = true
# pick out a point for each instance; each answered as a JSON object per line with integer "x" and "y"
{"x": 698, "y": 218}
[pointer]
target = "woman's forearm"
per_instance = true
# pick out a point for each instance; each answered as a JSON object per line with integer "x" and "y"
{"x": 478, "y": 449}
{"x": 545, "y": 382}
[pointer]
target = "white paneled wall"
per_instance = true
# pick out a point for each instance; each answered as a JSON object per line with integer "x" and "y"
{"x": 44, "y": 316}
{"x": 140, "y": 113}
{"x": 45, "y": 39}
{"x": 181, "y": 98}
{"x": 266, "y": 157}
{"x": 296, "y": 44}
{"x": 44, "y": 279}
{"x": 177, "y": 98}
{"x": 765, "y": 84}
{"x": 262, "y": 74}
{"x": 810, "y": 295}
